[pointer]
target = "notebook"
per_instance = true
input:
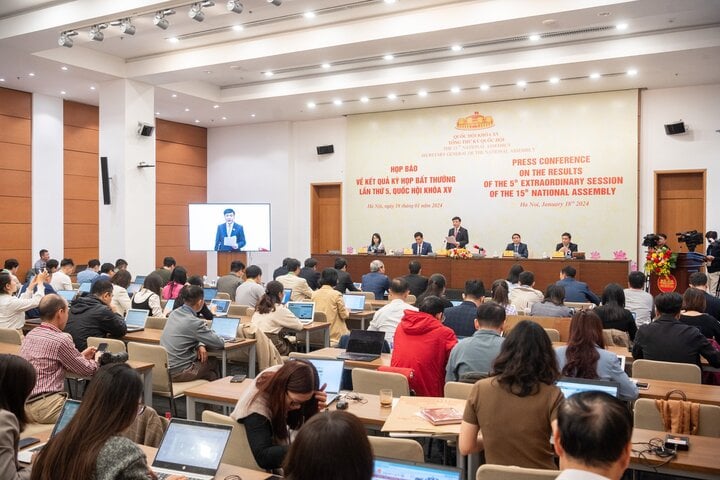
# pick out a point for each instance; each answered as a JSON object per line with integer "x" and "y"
{"x": 135, "y": 319}
{"x": 226, "y": 328}
{"x": 68, "y": 295}
{"x": 571, "y": 386}
{"x": 209, "y": 293}
{"x": 221, "y": 306}
{"x": 192, "y": 449}
{"x": 363, "y": 345}
{"x": 287, "y": 293}
{"x": 66, "y": 414}
{"x": 85, "y": 287}
{"x": 330, "y": 372}
{"x": 354, "y": 303}
{"x": 304, "y": 311}
{"x": 390, "y": 469}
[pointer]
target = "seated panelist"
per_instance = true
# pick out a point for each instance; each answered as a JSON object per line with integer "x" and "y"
{"x": 421, "y": 247}
{"x": 516, "y": 246}
{"x": 566, "y": 246}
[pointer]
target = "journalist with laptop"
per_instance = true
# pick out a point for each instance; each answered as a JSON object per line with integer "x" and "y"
{"x": 274, "y": 318}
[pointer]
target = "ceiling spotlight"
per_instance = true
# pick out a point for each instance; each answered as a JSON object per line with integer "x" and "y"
{"x": 455, "y": 89}
{"x": 277, "y": 3}
{"x": 594, "y": 76}
{"x": 388, "y": 57}
{"x": 216, "y": 106}
{"x": 127, "y": 27}
{"x": 309, "y": 14}
{"x": 234, "y": 6}
{"x": 96, "y": 32}
{"x": 268, "y": 73}
{"x": 484, "y": 87}
{"x": 521, "y": 83}
{"x": 364, "y": 99}
{"x": 92, "y": 87}
{"x": 337, "y": 102}
{"x": 621, "y": 26}
{"x": 534, "y": 37}
{"x": 237, "y": 28}
{"x": 311, "y": 105}
{"x": 392, "y": 96}
{"x": 63, "y": 68}
{"x": 632, "y": 72}
{"x": 160, "y": 21}
{"x": 196, "y": 12}
{"x": 456, "y": 48}
{"x": 173, "y": 40}
{"x": 554, "y": 80}
{"x": 325, "y": 65}
{"x": 65, "y": 39}
{"x": 422, "y": 93}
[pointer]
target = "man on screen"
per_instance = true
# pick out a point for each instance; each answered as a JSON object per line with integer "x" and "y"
{"x": 230, "y": 236}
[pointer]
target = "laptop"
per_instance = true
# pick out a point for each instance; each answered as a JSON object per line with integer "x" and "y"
{"x": 358, "y": 285}
{"x": 364, "y": 346}
{"x": 169, "y": 305}
{"x": 209, "y": 293}
{"x": 354, "y": 303}
{"x": 139, "y": 279}
{"x": 571, "y": 386}
{"x": 330, "y": 372}
{"x": 226, "y": 328}
{"x": 68, "y": 295}
{"x": 85, "y": 287}
{"x": 386, "y": 468}
{"x": 135, "y": 319}
{"x": 304, "y": 311}
{"x": 287, "y": 293}
{"x": 221, "y": 306}
{"x": 456, "y": 302}
{"x": 192, "y": 449}
{"x": 66, "y": 414}
{"x": 133, "y": 288}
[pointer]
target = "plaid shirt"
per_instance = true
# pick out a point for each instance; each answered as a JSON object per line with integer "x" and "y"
{"x": 52, "y": 352}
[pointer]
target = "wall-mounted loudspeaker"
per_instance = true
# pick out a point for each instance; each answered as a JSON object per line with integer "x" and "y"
{"x": 145, "y": 129}
{"x": 325, "y": 149}
{"x": 675, "y": 128}
{"x": 105, "y": 180}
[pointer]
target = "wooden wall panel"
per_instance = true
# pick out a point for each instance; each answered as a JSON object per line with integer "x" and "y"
{"x": 15, "y": 165}
{"x": 80, "y": 181}
{"x": 181, "y": 178}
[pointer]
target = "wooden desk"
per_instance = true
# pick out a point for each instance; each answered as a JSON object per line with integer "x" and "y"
{"x": 152, "y": 336}
{"x": 333, "y": 352}
{"x": 700, "y": 461}
{"x": 362, "y": 317}
{"x": 404, "y": 421}
{"x": 219, "y": 392}
{"x": 307, "y": 328}
{"x": 370, "y": 412}
{"x": 706, "y": 394}
{"x": 225, "y": 470}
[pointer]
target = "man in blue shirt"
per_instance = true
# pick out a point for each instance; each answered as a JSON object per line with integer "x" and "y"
{"x": 376, "y": 281}
{"x": 575, "y": 291}
{"x": 89, "y": 274}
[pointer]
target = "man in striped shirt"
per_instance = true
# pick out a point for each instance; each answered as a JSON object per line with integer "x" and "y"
{"x": 52, "y": 353}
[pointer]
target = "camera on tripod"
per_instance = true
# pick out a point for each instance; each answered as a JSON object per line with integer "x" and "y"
{"x": 651, "y": 240}
{"x": 107, "y": 358}
{"x": 691, "y": 238}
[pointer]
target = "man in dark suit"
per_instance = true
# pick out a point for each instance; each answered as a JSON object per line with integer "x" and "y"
{"x": 309, "y": 272}
{"x": 566, "y": 246}
{"x": 462, "y": 317}
{"x": 460, "y": 234}
{"x": 229, "y": 230}
{"x": 420, "y": 247}
{"x": 520, "y": 249}
{"x": 344, "y": 282}
{"x": 712, "y": 304}
{"x": 575, "y": 291}
{"x": 416, "y": 282}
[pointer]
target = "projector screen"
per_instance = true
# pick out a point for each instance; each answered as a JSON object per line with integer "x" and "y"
{"x": 229, "y": 227}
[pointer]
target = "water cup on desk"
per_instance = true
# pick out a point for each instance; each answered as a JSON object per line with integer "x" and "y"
{"x": 386, "y": 397}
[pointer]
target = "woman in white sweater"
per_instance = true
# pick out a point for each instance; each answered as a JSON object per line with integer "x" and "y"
{"x": 12, "y": 308}
{"x": 274, "y": 318}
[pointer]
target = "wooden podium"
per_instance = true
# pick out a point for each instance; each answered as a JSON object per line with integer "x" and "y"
{"x": 687, "y": 264}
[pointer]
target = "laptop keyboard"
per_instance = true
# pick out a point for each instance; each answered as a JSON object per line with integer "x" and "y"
{"x": 163, "y": 476}
{"x": 360, "y": 356}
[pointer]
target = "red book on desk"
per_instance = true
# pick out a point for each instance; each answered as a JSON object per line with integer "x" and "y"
{"x": 441, "y": 416}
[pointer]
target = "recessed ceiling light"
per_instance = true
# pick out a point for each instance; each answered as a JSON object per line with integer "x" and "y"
{"x": 389, "y": 1}
{"x": 388, "y": 57}
{"x": 31, "y": 74}
{"x": 224, "y": 118}
{"x": 309, "y": 14}
{"x": 207, "y": 72}
{"x": 534, "y": 37}
{"x": 455, "y": 89}
{"x": 157, "y": 113}
{"x": 237, "y": 28}
{"x": 337, "y": 102}
{"x": 216, "y": 106}
{"x": 62, "y": 92}
{"x": 484, "y": 87}
{"x": 594, "y": 76}
{"x": 173, "y": 40}
{"x": 521, "y": 83}
{"x": 63, "y": 68}
{"x": 268, "y": 73}
{"x": 197, "y": 121}
{"x": 554, "y": 80}
{"x": 174, "y": 95}
{"x": 2, "y": 79}
{"x": 632, "y": 72}
{"x": 456, "y": 48}
{"x": 92, "y": 87}
{"x": 364, "y": 99}
{"x": 311, "y": 105}
{"x": 187, "y": 109}
{"x": 422, "y": 93}
{"x": 252, "y": 115}
{"x": 621, "y": 26}
{"x": 325, "y": 65}
{"x": 392, "y": 96}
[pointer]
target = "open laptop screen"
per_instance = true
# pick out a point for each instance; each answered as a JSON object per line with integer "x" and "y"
{"x": 209, "y": 293}
{"x": 330, "y": 372}
{"x": 192, "y": 446}
{"x": 225, "y": 327}
{"x": 67, "y": 294}
{"x": 354, "y": 302}
{"x": 365, "y": 341}
{"x": 387, "y": 469}
{"x": 287, "y": 293}
{"x": 222, "y": 305}
{"x": 304, "y": 311}
{"x": 136, "y": 317}
{"x": 571, "y": 386}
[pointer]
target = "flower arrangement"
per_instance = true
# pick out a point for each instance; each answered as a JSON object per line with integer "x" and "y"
{"x": 619, "y": 255}
{"x": 459, "y": 253}
{"x": 660, "y": 261}
{"x": 594, "y": 255}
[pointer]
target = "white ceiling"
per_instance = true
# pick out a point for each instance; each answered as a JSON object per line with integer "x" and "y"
{"x": 218, "y": 75}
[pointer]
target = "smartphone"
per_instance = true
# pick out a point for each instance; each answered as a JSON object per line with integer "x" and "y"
{"x": 26, "y": 442}
{"x": 238, "y": 378}
{"x": 102, "y": 347}
{"x": 642, "y": 386}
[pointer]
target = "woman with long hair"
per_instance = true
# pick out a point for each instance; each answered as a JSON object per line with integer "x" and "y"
{"x": 613, "y": 313}
{"x": 17, "y": 379}
{"x": 692, "y": 314}
{"x": 500, "y": 295}
{"x": 515, "y": 406}
{"x": 435, "y": 288}
{"x": 120, "y": 297}
{"x": 274, "y": 318}
{"x": 553, "y": 304}
{"x": 585, "y": 356}
{"x": 334, "y": 434}
{"x": 376, "y": 245}
{"x": 178, "y": 279}
{"x": 513, "y": 278}
{"x": 148, "y": 297}
{"x": 282, "y": 398}
{"x": 90, "y": 446}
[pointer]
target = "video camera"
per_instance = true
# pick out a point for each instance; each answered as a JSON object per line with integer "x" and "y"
{"x": 691, "y": 238}
{"x": 107, "y": 357}
{"x": 650, "y": 240}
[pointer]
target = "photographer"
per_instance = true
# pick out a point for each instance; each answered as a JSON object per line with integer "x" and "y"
{"x": 713, "y": 259}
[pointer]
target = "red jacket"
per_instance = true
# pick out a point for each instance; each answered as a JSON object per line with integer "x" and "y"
{"x": 423, "y": 343}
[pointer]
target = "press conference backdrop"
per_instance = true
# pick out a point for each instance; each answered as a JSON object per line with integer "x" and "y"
{"x": 538, "y": 166}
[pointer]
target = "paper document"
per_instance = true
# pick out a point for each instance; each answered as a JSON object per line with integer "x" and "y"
{"x": 230, "y": 242}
